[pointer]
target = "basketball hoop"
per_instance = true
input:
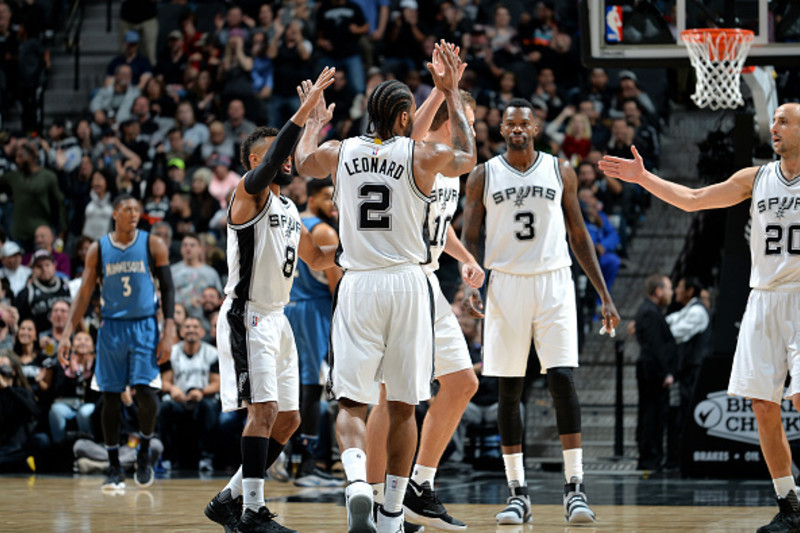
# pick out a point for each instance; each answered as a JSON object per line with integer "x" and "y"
{"x": 717, "y": 56}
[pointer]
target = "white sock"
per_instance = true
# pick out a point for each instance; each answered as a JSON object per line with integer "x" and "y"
{"x": 420, "y": 474}
{"x": 783, "y": 486}
{"x": 515, "y": 468}
{"x": 253, "y": 493}
{"x": 354, "y": 461}
{"x": 573, "y": 464}
{"x": 235, "y": 484}
{"x": 395, "y": 492}
{"x": 377, "y": 492}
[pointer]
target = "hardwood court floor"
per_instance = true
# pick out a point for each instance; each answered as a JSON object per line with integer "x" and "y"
{"x": 76, "y": 504}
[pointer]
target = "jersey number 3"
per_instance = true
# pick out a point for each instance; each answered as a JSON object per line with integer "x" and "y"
{"x": 527, "y": 232}
{"x": 372, "y": 212}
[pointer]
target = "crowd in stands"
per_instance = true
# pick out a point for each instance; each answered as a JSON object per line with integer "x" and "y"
{"x": 191, "y": 81}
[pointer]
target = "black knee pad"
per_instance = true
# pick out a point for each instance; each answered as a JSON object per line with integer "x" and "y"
{"x": 509, "y": 419}
{"x": 561, "y": 384}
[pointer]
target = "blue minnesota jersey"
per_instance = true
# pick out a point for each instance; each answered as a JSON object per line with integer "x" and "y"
{"x": 309, "y": 284}
{"x": 128, "y": 290}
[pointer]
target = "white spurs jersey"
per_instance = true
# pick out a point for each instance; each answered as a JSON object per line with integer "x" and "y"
{"x": 382, "y": 213}
{"x": 525, "y": 230}
{"x": 775, "y": 230}
{"x": 262, "y": 254}
{"x": 444, "y": 202}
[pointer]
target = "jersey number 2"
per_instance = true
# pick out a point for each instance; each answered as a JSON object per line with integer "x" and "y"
{"x": 372, "y": 212}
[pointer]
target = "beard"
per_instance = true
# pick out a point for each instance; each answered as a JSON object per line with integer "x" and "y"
{"x": 282, "y": 179}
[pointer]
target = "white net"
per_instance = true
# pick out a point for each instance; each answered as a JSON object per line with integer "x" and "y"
{"x": 717, "y": 56}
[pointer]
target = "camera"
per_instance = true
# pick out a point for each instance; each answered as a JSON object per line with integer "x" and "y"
{"x": 6, "y": 371}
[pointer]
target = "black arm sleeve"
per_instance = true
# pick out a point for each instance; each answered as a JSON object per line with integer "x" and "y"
{"x": 282, "y": 147}
{"x": 164, "y": 275}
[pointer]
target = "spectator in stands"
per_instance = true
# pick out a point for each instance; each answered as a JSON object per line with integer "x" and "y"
{"x": 59, "y": 140}
{"x": 193, "y": 39}
{"x": 218, "y": 144}
{"x": 263, "y": 23}
{"x": 97, "y": 221}
{"x": 141, "y": 16}
{"x": 262, "y": 76}
{"x": 576, "y": 139}
{"x": 223, "y": 181}
{"x": 342, "y": 94}
{"x": 689, "y": 326}
{"x": 34, "y": 61}
{"x": 129, "y": 133}
{"x": 9, "y": 321}
{"x": 376, "y": 13}
{"x": 175, "y": 150}
{"x": 621, "y": 138}
{"x": 172, "y": 63}
{"x": 604, "y": 236}
{"x": 43, "y": 239}
{"x": 13, "y": 270}
{"x": 141, "y": 68}
{"x": 506, "y": 91}
{"x": 234, "y": 20}
{"x": 237, "y": 127}
{"x": 78, "y": 259}
{"x": 291, "y": 58}
{"x": 26, "y": 347}
{"x": 210, "y": 300}
{"x": 629, "y": 89}
{"x": 149, "y": 129}
{"x": 204, "y": 205}
{"x": 296, "y": 191}
{"x": 645, "y": 136}
{"x": 70, "y": 386}
{"x": 598, "y": 91}
{"x": 234, "y": 71}
{"x": 192, "y": 275}
{"x": 188, "y": 418}
{"x": 547, "y": 91}
{"x": 83, "y": 134}
{"x": 600, "y": 132}
{"x": 8, "y": 59}
{"x": 503, "y": 36}
{"x": 38, "y": 200}
{"x": 404, "y": 40}
{"x": 156, "y": 203}
{"x": 340, "y": 24}
{"x": 482, "y": 142}
{"x": 161, "y": 104}
{"x": 116, "y": 99}
{"x": 18, "y": 408}
{"x": 202, "y": 94}
{"x": 111, "y": 154}
{"x": 49, "y": 339}
{"x": 164, "y": 231}
{"x": 45, "y": 288}
{"x": 194, "y": 133}
{"x": 655, "y": 371}
{"x": 180, "y": 214}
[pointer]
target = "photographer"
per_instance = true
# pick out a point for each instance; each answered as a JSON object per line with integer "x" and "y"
{"x": 18, "y": 412}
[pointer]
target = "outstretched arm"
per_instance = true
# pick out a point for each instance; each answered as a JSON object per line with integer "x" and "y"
{"x": 80, "y": 303}
{"x": 734, "y": 190}
{"x": 582, "y": 246}
{"x": 312, "y": 160}
{"x": 423, "y": 118}
{"x": 282, "y": 147}
{"x": 474, "y": 213}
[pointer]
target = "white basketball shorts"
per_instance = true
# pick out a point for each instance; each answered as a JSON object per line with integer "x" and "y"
{"x": 768, "y": 347}
{"x": 257, "y": 357}
{"x": 518, "y": 308}
{"x": 382, "y": 327}
{"x": 450, "y": 352}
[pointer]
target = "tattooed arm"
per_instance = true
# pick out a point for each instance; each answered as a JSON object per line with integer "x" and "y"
{"x": 474, "y": 214}
{"x": 581, "y": 244}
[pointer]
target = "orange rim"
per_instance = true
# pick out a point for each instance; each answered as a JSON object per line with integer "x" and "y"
{"x": 717, "y": 40}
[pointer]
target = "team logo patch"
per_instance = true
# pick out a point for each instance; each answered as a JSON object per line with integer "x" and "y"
{"x": 243, "y": 377}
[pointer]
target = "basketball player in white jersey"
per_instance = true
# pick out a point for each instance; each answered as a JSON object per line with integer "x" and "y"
{"x": 452, "y": 363}
{"x": 257, "y": 355}
{"x": 529, "y": 202}
{"x": 382, "y": 323}
{"x": 768, "y": 346}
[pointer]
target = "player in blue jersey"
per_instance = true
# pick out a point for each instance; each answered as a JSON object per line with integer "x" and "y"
{"x": 125, "y": 263}
{"x": 309, "y": 313}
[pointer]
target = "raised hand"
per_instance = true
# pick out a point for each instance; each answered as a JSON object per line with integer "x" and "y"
{"x": 447, "y": 78}
{"x": 437, "y": 62}
{"x": 631, "y": 170}
{"x": 309, "y": 93}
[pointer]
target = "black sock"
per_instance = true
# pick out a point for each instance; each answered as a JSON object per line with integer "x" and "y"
{"x": 254, "y": 457}
{"x": 144, "y": 445}
{"x": 113, "y": 456}
{"x": 274, "y": 450}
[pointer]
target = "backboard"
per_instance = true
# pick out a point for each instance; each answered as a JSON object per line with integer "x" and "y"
{"x": 646, "y": 33}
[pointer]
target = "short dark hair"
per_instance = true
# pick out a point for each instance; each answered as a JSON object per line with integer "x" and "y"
{"x": 520, "y": 102}
{"x": 314, "y": 186}
{"x": 653, "y": 282}
{"x": 122, "y": 197}
{"x": 253, "y": 140}
{"x": 192, "y": 235}
{"x": 443, "y": 115}
{"x": 694, "y": 283}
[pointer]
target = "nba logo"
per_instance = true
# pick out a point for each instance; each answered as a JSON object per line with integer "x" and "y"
{"x": 394, "y": 484}
{"x": 255, "y": 320}
{"x": 375, "y": 151}
{"x": 614, "y": 24}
